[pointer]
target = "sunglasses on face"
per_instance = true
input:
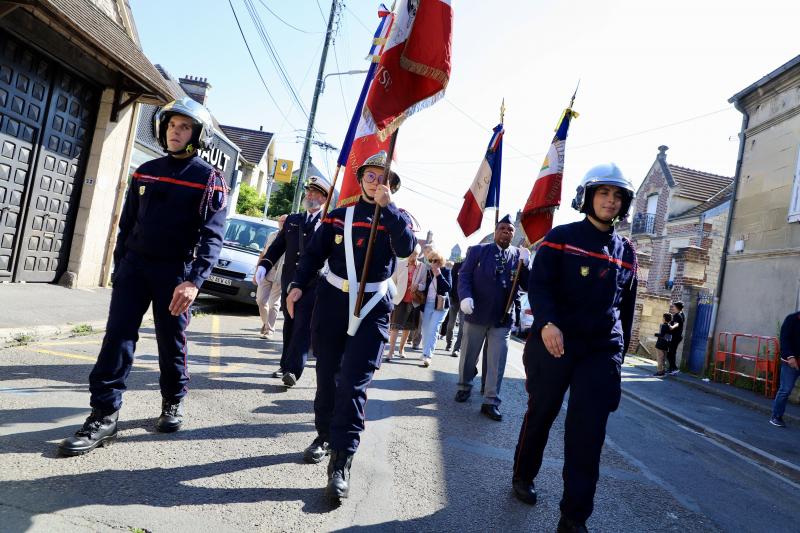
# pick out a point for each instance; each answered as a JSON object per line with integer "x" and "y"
{"x": 370, "y": 177}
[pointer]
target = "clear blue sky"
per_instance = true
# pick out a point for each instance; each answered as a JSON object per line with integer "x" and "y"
{"x": 651, "y": 74}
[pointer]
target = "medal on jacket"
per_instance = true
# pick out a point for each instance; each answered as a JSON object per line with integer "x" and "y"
{"x": 141, "y": 190}
{"x": 338, "y": 239}
{"x": 584, "y": 271}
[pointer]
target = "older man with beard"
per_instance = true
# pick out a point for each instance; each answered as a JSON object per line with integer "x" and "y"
{"x": 291, "y": 241}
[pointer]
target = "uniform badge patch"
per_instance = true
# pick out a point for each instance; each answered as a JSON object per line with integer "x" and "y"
{"x": 584, "y": 271}
{"x": 141, "y": 190}
{"x": 338, "y": 239}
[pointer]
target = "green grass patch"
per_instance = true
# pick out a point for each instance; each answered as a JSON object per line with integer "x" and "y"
{"x": 82, "y": 329}
{"x": 22, "y": 339}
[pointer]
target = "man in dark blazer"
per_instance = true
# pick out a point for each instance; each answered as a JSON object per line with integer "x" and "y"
{"x": 291, "y": 241}
{"x": 484, "y": 285}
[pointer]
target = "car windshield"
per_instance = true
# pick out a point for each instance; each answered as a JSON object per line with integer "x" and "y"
{"x": 246, "y": 234}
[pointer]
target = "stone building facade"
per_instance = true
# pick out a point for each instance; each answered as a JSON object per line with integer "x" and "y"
{"x": 762, "y": 257}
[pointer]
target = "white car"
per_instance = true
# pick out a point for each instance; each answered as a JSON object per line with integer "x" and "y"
{"x": 232, "y": 277}
{"x": 525, "y": 316}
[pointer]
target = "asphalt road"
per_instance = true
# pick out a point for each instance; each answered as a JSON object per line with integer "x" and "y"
{"x": 425, "y": 462}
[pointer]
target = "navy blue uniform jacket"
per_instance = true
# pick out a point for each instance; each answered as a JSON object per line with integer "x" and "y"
{"x": 583, "y": 280}
{"x": 790, "y": 336}
{"x": 478, "y": 279}
{"x": 291, "y": 241}
{"x": 167, "y": 214}
{"x": 394, "y": 239}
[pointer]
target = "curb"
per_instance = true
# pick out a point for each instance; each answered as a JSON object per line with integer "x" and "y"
{"x": 767, "y": 460}
{"x": 695, "y": 383}
{"x": 8, "y": 336}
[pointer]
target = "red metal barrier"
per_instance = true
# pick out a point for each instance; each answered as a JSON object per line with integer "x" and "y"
{"x": 730, "y": 360}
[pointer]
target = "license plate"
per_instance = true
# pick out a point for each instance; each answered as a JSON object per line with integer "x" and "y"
{"x": 220, "y": 280}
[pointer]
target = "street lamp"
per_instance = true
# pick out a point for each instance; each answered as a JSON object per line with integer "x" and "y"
{"x": 340, "y": 74}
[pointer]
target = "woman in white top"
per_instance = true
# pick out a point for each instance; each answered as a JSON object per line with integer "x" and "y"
{"x": 405, "y": 317}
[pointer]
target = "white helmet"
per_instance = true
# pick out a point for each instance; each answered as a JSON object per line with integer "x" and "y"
{"x": 605, "y": 174}
{"x": 203, "y": 124}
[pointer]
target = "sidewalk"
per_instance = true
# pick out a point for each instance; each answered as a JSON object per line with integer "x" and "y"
{"x": 736, "y": 418}
{"x": 30, "y": 311}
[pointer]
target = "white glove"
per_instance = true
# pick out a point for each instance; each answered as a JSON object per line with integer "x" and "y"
{"x": 524, "y": 255}
{"x": 260, "y": 274}
{"x": 467, "y": 307}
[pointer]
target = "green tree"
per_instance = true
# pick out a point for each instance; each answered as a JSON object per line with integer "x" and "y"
{"x": 250, "y": 202}
{"x": 281, "y": 199}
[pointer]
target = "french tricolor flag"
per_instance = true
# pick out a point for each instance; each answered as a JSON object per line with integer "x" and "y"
{"x": 361, "y": 140}
{"x": 485, "y": 189}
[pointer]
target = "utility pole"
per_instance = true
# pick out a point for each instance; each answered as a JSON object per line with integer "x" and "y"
{"x": 301, "y": 177}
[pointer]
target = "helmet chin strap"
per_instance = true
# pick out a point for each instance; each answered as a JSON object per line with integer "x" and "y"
{"x": 364, "y": 192}
{"x": 188, "y": 149}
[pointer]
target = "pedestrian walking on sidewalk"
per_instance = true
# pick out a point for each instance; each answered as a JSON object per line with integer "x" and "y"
{"x": 790, "y": 367}
{"x": 268, "y": 291}
{"x": 678, "y": 320}
{"x": 436, "y": 288}
{"x": 289, "y": 245}
{"x": 583, "y": 291}
{"x": 486, "y": 281}
{"x": 170, "y": 236}
{"x": 664, "y": 337}
{"x": 454, "y": 311}
{"x": 349, "y": 352}
{"x": 405, "y": 317}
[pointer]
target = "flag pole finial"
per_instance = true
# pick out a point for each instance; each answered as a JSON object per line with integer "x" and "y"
{"x": 503, "y": 110}
{"x": 572, "y": 100}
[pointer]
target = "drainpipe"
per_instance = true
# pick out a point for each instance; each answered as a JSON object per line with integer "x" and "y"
{"x": 737, "y": 178}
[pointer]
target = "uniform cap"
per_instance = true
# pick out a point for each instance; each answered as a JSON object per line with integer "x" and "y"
{"x": 319, "y": 183}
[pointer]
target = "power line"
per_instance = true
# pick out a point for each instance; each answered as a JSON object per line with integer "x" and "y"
{"x": 359, "y": 20}
{"x": 580, "y": 146}
{"x": 280, "y": 110}
{"x": 321, "y": 14}
{"x": 274, "y": 56}
{"x": 285, "y": 22}
{"x": 481, "y": 126}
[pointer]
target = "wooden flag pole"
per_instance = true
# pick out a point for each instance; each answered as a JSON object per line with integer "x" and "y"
{"x": 330, "y": 193}
{"x": 525, "y": 244}
{"x": 502, "y": 119}
{"x": 373, "y": 231}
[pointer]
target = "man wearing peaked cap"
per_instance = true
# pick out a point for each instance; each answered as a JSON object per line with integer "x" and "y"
{"x": 485, "y": 283}
{"x": 348, "y": 351}
{"x": 290, "y": 243}
{"x": 170, "y": 236}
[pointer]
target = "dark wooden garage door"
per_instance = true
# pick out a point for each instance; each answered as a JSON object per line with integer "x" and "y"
{"x": 47, "y": 115}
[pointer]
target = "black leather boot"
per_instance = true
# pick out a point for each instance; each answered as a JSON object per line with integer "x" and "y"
{"x": 317, "y": 451}
{"x": 98, "y": 430}
{"x": 565, "y": 525}
{"x": 524, "y": 490}
{"x": 171, "y": 416}
{"x": 338, "y": 476}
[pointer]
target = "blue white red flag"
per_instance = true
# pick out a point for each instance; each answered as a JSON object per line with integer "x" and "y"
{"x": 361, "y": 141}
{"x": 485, "y": 189}
{"x": 545, "y": 196}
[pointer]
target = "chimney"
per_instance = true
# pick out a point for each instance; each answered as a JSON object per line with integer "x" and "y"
{"x": 197, "y": 88}
{"x": 662, "y": 152}
{"x": 261, "y": 128}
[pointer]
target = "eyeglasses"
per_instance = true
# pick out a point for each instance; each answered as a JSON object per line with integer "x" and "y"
{"x": 370, "y": 177}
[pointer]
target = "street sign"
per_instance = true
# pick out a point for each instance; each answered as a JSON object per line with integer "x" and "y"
{"x": 283, "y": 171}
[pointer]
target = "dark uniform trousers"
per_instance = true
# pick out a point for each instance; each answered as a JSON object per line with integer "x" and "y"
{"x": 296, "y": 338}
{"x": 594, "y": 383}
{"x": 345, "y": 365}
{"x": 139, "y": 281}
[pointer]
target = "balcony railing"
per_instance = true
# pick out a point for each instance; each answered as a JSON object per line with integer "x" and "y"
{"x": 643, "y": 223}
